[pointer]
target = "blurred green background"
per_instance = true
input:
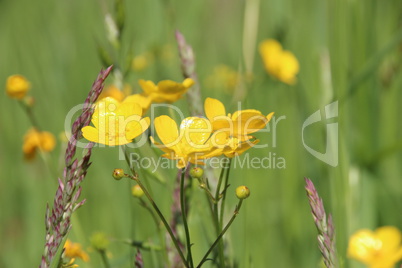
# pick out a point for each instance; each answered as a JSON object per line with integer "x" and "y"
{"x": 349, "y": 51}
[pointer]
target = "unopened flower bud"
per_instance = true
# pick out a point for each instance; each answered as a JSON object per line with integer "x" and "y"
{"x": 242, "y": 192}
{"x": 196, "y": 172}
{"x": 136, "y": 191}
{"x": 118, "y": 173}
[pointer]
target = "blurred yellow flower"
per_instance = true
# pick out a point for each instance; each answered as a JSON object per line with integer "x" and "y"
{"x": 379, "y": 249}
{"x": 166, "y": 90}
{"x": 141, "y": 62}
{"x": 191, "y": 144}
{"x": 37, "y": 140}
{"x": 17, "y": 86}
{"x": 239, "y": 125}
{"x": 74, "y": 250}
{"x": 115, "y": 123}
{"x": 223, "y": 77}
{"x": 281, "y": 64}
{"x": 113, "y": 92}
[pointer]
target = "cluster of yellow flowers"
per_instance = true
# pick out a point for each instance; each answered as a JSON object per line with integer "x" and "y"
{"x": 17, "y": 87}
{"x": 281, "y": 64}
{"x": 379, "y": 249}
{"x": 118, "y": 123}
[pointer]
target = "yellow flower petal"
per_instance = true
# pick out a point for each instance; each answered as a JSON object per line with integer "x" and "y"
{"x": 248, "y": 121}
{"x": 137, "y": 129}
{"x": 129, "y": 108}
{"x": 90, "y": 133}
{"x": 143, "y": 100}
{"x": 389, "y": 236}
{"x": 188, "y": 82}
{"x": 147, "y": 86}
{"x": 195, "y": 131}
{"x": 167, "y": 131}
{"x": 214, "y": 109}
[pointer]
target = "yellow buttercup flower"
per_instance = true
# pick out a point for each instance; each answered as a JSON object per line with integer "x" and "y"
{"x": 191, "y": 144}
{"x": 17, "y": 86}
{"x": 281, "y": 64}
{"x": 74, "y": 250}
{"x": 379, "y": 249}
{"x": 113, "y": 92}
{"x": 239, "y": 125}
{"x": 115, "y": 123}
{"x": 37, "y": 140}
{"x": 166, "y": 90}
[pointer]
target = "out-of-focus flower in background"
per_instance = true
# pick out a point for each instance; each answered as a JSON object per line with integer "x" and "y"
{"x": 223, "y": 77}
{"x": 74, "y": 250}
{"x": 115, "y": 123}
{"x": 379, "y": 249}
{"x": 166, "y": 90}
{"x": 113, "y": 92}
{"x": 280, "y": 63}
{"x": 37, "y": 140}
{"x": 143, "y": 100}
{"x": 142, "y": 61}
{"x": 17, "y": 86}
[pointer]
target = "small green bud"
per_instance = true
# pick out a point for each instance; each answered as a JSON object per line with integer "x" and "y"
{"x": 196, "y": 172}
{"x": 136, "y": 191}
{"x": 118, "y": 174}
{"x": 242, "y": 192}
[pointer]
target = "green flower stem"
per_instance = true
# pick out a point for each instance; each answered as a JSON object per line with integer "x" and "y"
{"x": 175, "y": 242}
{"x": 235, "y": 213}
{"x": 184, "y": 216}
{"x": 226, "y": 183}
{"x": 31, "y": 116}
{"x": 158, "y": 227}
{"x": 104, "y": 258}
{"x": 218, "y": 226}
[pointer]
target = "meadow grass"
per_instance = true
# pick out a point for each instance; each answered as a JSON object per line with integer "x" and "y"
{"x": 348, "y": 51}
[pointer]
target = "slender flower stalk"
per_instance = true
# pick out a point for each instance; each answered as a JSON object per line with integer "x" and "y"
{"x": 184, "y": 217}
{"x": 235, "y": 213}
{"x": 57, "y": 220}
{"x": 188, "y": 68}
{"x": 164, "y": 221}
{"x": 226, "y": 185}
{"x": 325, "y": 228}
{"x": 218, "y": 225}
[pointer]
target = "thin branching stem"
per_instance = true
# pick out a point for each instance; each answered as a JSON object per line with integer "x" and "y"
{"x": 167, "y": 226}
{"x": 235, "y": 213}
{"x": 226, "y": 184}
